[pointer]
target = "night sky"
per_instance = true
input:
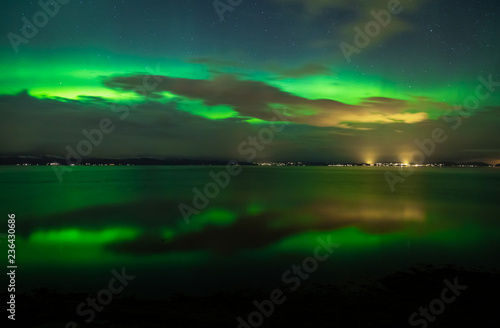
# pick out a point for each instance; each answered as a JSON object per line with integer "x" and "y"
{"x": 176, "y": 80}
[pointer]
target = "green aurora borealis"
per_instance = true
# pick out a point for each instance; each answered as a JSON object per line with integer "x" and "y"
{"x": 221, "y": 79}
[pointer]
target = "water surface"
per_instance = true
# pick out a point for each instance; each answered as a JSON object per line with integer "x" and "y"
{"x": 70, "y": 235}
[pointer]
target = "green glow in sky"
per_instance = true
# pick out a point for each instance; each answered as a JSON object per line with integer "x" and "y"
{"x": 80, "y": 77}
{"x": 197, "y": 107}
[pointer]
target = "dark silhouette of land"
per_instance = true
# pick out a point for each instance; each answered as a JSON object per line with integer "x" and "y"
{"x": 55, "y": 160}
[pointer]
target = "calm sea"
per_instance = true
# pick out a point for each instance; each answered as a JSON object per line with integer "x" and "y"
{"x": 71, "y": 234}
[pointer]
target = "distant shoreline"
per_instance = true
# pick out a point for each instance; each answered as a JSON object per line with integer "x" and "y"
{"x": 56, "y": 161}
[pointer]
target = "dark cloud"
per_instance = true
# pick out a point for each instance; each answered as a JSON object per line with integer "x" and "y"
{"x": 47, "y": 126}
{"x": 378, "y": 128}
{"x": 219, "y": 66}
{"x": 256, "y": 99}
{"x": 357, "y": 8}
{"x": 358, "y": 13}
{"x": 249, "y": 98}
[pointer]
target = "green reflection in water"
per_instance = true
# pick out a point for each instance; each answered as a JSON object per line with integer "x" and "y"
{"x": 255, "y": 208}
{"x": 353, "y": 239}
{"x": 348, "y": 236}
{"x": 80, "y": 236}
{"x": 168, "y": 233}
{"x": 436, "y": 216}
{"x": 216, "y": 216}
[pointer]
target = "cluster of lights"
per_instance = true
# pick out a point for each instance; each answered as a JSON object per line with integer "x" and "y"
{"x": 280, "y": 164}
{"x": 406, "y": 164}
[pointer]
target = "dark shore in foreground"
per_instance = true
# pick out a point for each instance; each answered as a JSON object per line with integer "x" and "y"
{"x": 386, "y": 302}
